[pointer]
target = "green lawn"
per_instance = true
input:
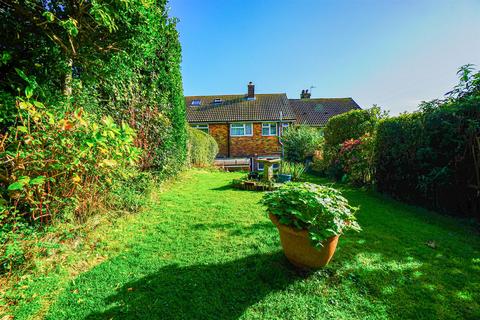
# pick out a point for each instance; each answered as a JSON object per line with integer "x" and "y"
{"x": 206, "y": 251}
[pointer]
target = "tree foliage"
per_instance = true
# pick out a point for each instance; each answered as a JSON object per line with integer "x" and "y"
{"x": 300, "y": 142}
{"x": 90, "y": 90}
{"x": 119, "y": 58}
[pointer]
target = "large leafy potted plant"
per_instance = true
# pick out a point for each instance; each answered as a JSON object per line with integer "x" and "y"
{"x": 309, "y": 218}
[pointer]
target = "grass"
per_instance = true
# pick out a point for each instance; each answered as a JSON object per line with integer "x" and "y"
{"x": 206, "y": 251}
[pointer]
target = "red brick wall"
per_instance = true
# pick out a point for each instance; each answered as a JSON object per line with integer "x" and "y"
{"x": 244, "y": 146}
{"x": 219, "y": 131}
{"x": 257, "y": 144}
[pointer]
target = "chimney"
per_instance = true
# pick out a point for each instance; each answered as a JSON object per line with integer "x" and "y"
{"x": 305, "y": 94}
{"x": 251, "y": 91}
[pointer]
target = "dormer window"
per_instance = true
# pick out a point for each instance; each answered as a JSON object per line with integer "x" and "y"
{"x": 196, "y": 102}
{"x": 217, "y": 101}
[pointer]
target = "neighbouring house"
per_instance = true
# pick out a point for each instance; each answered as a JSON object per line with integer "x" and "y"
{"x": 316, "y": 112}
{"x": 250, "y": 125}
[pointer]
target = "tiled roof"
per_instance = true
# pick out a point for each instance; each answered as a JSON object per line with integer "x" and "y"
{"x": 316, "y": 112}
{"x": 265, "y": 107}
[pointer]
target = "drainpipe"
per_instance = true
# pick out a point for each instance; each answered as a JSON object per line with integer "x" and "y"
{"x": 228, "y": 139}
{"x": 280, "y": 133}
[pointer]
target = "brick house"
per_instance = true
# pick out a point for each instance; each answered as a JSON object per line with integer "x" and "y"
{"x": 249, "y": 125}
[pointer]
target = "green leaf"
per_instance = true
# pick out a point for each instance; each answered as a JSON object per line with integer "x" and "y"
{"x": 5, "y": 58}
{"x": 38, "y": 104}
{"x": 28, "y": 92}
{"x": 48, "y": 16}
{"x": 22, "y": 129}
{"x": 15, "y": 186}
{"x": 22, "y": 75}
{"x": 37, "y": 181}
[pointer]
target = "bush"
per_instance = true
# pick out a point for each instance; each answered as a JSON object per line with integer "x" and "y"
{"x": 300, "y": 142}
{"x": 321, "y": 210}
{"x": 356, "y": 160}
{"x": 296, "y": 170}
{"x": 350, "y": 125}
{"x": 341, "y": 131}
{"x": 432, "y": 157}
{"x": 202, "y": 148}
{"x": 120, "y": 59}
{"x": 53, "y": 160}
{"x": 397, "y": 167}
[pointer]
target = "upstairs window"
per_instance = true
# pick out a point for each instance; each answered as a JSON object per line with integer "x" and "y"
{"x": 269, "y": 129}
{"x": 201, "y": 127}
{"x": 196, "y": 102}
{"x": 241, "y": 129}
{"x": 217, "y": 101}
{"x": 284, "y": 127}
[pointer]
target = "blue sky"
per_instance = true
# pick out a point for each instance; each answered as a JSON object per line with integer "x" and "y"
{"x": 391, "y": 53}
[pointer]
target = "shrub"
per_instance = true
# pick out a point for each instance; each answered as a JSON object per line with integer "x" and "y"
{"x": 120, "y": 59}
{"x": 296, "y": 170}
{"x": 356, "y": 160}
{"x": 55, "y": 159}
{"x": 350, "y": 125}
{"x": 300, "y": 142}
{"x": 340, "y": 129}
{"x": 202, "y": 148}
{"x": 321, "y": 210}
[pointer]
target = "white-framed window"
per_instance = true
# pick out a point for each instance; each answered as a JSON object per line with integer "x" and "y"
{"x": 269, "y": 129}
{"x": 285, "y": 126}
{"x": 201, "y": 127}
{"x": 241, "y": 129}
{"x": 196, "y": 102}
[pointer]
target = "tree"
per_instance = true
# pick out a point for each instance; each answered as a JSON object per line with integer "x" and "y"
{"x": 118, "y": 57}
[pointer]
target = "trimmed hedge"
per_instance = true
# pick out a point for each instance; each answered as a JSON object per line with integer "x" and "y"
{"x": 348, "y": 125}
{"x": 342, "y": 128}
{"x": 202, "y": 148}
{"x": 428, "y": 157}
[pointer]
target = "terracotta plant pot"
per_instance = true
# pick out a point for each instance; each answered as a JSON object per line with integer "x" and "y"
{"x": 298, "y": 249}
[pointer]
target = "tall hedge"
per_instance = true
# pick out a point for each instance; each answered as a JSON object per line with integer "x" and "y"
{"x": 348, "y": 125}
{"x": 119, "y": 58}
{"x": 432, "y": 157}
{"x": 202, "y": 148}
{"x": 341, "y": 128}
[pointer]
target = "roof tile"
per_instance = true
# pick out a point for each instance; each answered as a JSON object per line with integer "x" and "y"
{"x": 265, "y": 107}
{"x": 316, "y": 112}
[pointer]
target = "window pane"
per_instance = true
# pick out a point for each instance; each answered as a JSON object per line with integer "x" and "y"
{"x": 265, "y": 131}
{"x": 273, "y": 129}
{"x": 248, "y": 128}
{"x": 237, "y": 131}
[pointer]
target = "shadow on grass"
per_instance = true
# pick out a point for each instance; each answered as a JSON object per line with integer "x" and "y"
{"x": 386, "y": 271}
{"x": 225, "y": 187}
{"x": 234, "y": 229}
{"x": 215, "y": 291}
